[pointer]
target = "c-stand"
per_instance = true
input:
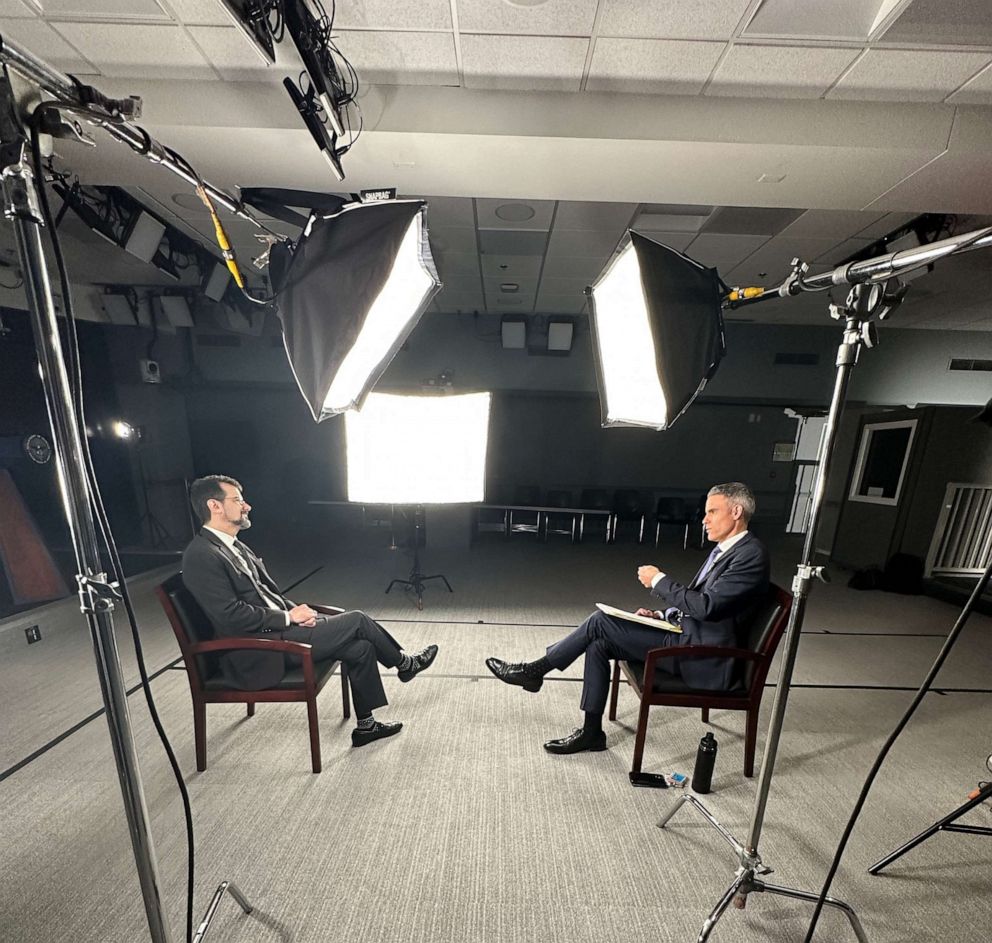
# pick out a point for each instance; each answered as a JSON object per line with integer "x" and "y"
{"x": 417, "y": 579}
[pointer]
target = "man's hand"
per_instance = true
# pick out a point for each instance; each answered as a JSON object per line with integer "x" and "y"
{"x": 647, "y": 613}
{"x": 303, "y": 615}
{"x": 646, "y": 574}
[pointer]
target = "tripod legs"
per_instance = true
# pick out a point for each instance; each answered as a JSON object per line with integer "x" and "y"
{"x": 746, "y": 881}
{"x": 201, "y": 930}
{"x": 945, "y": 825}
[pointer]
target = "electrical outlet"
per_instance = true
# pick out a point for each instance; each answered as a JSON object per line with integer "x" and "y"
{"x": 33, "y": 633}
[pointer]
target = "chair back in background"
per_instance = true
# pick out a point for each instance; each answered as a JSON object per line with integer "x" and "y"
{"x": 595, "y": 499}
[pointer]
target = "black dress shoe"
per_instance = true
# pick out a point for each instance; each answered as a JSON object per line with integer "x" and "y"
{"x": 578, "y": 741}
{"x": 514, "y": 674}
{"x": 360, "y": 736}
{"x": 421, "y": 660}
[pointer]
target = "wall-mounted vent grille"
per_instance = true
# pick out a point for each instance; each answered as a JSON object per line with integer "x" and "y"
{"x": 218, "y": 340}
{"x": 962, "y": 364}
{"x": 798, "y": 360}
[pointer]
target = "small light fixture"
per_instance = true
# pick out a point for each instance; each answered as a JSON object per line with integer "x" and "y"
{"x": 560, "y": 336}
{"x": 143, "y": 236}
{"x": 514, "y": 333}
{"x": 217, "y": 282}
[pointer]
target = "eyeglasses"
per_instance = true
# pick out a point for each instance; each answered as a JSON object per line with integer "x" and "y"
{"x": 236, "y": 500}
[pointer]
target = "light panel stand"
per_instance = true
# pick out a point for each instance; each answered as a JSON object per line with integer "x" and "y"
{"x": 746, "y": 880}
{"x": 21, "y": 205}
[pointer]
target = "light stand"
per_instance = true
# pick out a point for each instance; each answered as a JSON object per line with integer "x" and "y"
{"x": 157, "y": 531}
{"x": 867, "y": 299}
{"x": 96, "y": 593}
{"x": 417, "y": 579}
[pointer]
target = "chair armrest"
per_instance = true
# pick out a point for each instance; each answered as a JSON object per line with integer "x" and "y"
{"x": 257, "y": 644}
{"x": 328, "y": 610}
{"x": 700, "y": 651}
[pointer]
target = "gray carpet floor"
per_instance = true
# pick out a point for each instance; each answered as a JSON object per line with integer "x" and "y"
{"x": 462, "y": 828}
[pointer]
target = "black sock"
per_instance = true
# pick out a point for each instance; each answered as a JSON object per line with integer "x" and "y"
{"x": 406, "y": 662}
{"x": 366, "y": 723}
{"x": 539, "y": 668}
{"x": 593, "y": 722}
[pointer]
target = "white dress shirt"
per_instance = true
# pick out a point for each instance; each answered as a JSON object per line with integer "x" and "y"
{"x": 230, "y": 543}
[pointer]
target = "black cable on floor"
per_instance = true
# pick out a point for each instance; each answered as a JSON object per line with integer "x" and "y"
{"x": 884, "y": 752}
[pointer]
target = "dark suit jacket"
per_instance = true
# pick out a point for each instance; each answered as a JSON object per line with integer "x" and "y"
{"x": 227, "y": 595}
{"x": 716, "y": 610}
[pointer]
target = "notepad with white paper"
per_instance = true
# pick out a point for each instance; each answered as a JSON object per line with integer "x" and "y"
{"x": 634, "y": 617}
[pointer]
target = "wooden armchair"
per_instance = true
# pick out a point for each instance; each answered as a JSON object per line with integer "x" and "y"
{"x": 654, "y": 687}
{"x": 206, "y": 684}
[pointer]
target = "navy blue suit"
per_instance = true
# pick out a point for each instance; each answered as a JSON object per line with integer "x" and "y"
{"x": 713, "y": 609}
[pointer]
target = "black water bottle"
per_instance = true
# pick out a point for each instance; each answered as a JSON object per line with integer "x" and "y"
{"x": 702, "y": 773}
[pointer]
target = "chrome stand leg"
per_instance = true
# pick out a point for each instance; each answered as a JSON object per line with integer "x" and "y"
{"x": 722, "y": 904}
{"x": 201, "y": 930}
{"x": 847, "y": 909}
{"x": 745, "y": 881}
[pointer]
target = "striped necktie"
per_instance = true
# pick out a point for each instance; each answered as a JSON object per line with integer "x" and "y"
{"x": 709, "y": 564}
{"x": 273, "y": 600}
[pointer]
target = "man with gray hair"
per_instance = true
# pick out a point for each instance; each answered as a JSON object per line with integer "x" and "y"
{"x": 709, "y": 610}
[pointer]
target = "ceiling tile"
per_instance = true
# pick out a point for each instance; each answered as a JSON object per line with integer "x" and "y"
{"x": 231, "y": 53}
{"x": 452, "y": 238}
{"x": 943, "y": 22}
{"x": 847, "y": 248}
{"x": 566, "y": 286}
{"x": 695, "y": 19}
{"x": 457, "y": 263}
{"x": 198, "y": 13}
{"x": 977, "y": 91}
{"x": 551, "y": 18}
{"x": 720, "y": 250}
{"x": 751, "y": 220}
{"x": 773, "y": 261}
{"x": 530, "y": 215}
{"x": 145, "y": 9}
{"x": 511, "y": 242}
{"x": 824, "y": 19}
{"x": 908, "y": 75}
{"x": 579, "y": 242}
{"x": 393, "y": 58}
{"x": 449, "y": 211}
{"x": 827, "y": 224}
{"x": 393, "y": 14}
{"x": 138, "y": 51}
{"x": 463, "y": 283}
{"x": 513, "y": 267}
{"x": 42, "y": 41}
{"x": 571, "y": 266}
{"x": 16, "y": 8}
{"x": 779, "y": 71}
{"x": 577, "y": 215}
{"x": 528, "y": 63}
{"x": 651, "y": 66}
{"x": 888, "y": 222}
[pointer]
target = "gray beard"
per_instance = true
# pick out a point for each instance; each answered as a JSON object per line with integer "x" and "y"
{"x": 244, "y": 523}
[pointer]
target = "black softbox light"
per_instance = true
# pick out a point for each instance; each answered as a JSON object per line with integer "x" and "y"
{"x": 657, "y": 331}
{"x": 349, "y": 296}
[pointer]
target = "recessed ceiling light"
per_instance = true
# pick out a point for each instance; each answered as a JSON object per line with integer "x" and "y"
{"x": 526, "y": 3}
{"x": 515, "y": 212}
{"x": 509, "y": 287}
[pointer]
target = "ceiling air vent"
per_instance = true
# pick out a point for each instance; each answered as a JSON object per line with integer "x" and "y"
{"x": 960, "y": 364}
{"x": 798, "y": 360}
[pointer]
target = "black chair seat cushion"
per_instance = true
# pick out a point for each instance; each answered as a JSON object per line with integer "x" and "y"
{"x": 665, "y": 683}
{"x": 293, "y": 678}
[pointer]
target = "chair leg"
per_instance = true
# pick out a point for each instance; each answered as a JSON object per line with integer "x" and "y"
{"x": 657, "y": 533}
{"x": 345, "y": 700}
{"x": 614, "y": 690}
{"x": 706, "y": 715}
{"x": 314, "y": 733}
{"x": 642, "y": 731}
{"x": 750, "y": 741}
{"x": 200, "y": 734}
{"x": 251, "y": 708}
